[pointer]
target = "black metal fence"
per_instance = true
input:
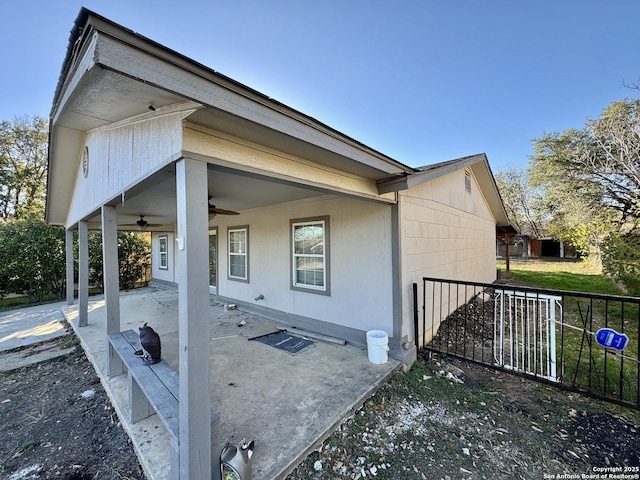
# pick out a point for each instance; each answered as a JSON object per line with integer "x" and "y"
{"x": 585, "y": 342}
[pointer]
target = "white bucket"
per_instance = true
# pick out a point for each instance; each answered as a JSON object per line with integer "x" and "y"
{"x": 377, "y": 346}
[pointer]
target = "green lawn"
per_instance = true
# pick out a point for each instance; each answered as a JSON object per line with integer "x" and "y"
{"x": 584, "y": 363}
{"x": 558, "y": 274}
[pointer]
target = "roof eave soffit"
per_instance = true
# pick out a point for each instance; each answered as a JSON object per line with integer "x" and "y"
{"x": 117, "y": 49}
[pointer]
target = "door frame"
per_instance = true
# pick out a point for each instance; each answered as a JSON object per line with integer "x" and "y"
{"x": 213, "y": 289}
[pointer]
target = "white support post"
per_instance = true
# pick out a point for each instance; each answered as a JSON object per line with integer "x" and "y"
{"x": 111, "y": 282}
{"x": 69, "y": 265}
{"x": 192, "y": 247}
{"x": 83, "y": 274}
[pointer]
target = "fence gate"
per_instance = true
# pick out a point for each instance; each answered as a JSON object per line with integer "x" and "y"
{"x": 580, "y": 341}
{"x": 525, "y": 332}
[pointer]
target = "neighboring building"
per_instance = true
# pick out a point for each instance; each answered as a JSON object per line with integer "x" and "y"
{"x": 550, "y": 247}
{"x": 524, "y": 246}
{"x": 330, "y": 234}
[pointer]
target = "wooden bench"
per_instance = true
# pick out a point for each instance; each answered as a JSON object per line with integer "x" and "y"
{"x": 155, "y": 389}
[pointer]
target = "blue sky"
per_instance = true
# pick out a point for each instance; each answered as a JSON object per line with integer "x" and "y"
{"x": 422, "y": 81}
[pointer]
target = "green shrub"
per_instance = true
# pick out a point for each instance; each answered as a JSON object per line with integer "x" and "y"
{"x": 134, "y": 252}
{"x": 32, "y": 255}
{"x": 621, "y": 259}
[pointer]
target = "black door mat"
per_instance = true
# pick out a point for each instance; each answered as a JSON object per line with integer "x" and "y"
{"x": 284, "y": 341}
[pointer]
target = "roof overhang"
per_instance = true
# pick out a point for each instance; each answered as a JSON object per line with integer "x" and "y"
{"x": 111, "y": 74}
{"x": 506, "y": 231}
{"x": 478, "y": 164}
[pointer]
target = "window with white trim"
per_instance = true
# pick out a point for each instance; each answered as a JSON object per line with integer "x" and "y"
{"x": 163, "y": 259}
{"x": 310, "y": 254}
{"x": 238, "y": 253}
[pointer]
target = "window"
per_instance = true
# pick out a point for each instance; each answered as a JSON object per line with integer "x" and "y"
{"x": 238, "y": 238}
{"x": 163, "y": 261}
{"x": 310, "y": 254}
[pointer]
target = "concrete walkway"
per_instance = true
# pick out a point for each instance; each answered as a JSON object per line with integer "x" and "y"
{"x": 31, "y": 326}
{"x": 287, "y": 404}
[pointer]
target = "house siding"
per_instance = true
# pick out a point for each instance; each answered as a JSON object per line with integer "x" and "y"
{"x": 120, "y": 157}
{"x": 360, "y": 262}
{"x": 157, "y": 273}
{"x": 229, "y": 151}
{"x": 447, "y": 233}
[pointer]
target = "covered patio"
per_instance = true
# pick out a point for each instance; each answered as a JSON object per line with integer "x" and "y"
{"x": 287, "y": 403}
{"x": 141, "y": 135}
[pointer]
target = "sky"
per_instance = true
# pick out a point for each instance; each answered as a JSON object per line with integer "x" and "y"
{"x": 422, "y": 81}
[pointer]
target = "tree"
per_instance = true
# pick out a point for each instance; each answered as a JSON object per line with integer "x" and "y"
{"x": 621, "y": 259}
{"x": 600, "y": 164}
{"x": 134, "y": 255}
{"x": 134, "y": 251}
{"x": 32, "y": 255}
{"x": 590, "y": 179}
{"x": 571, "y": 200}
{"x": 521, "y": 202}
{"x": 23, "y": 166}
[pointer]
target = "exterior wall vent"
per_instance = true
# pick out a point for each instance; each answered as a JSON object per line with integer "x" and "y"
{"x": 467, "y": 181}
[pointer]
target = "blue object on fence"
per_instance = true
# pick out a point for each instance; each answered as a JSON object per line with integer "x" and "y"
{"x": 609, "y": 338}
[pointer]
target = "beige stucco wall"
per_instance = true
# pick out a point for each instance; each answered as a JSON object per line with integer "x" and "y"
{"x": 361, "y": 275}
{"x": 120, "y": 157}
{"x": 360, "y": 262}
{"x": 446, "y": 233}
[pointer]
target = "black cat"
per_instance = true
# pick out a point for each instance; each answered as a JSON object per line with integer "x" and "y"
{"x": 150, "y": 342}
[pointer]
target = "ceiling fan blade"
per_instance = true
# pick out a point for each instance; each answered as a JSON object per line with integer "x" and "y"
{"x": 135, "y": 225}
{"x": 213, "y": 210}
{"x": 221, "y": 211}
{"x": 141, "y": 224}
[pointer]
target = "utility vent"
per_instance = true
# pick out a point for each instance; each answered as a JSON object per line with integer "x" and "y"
{"x": 467, "y": 181}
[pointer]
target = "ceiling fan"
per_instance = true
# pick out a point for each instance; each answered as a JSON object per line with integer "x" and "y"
{"x": 213, "y": 210}
{"x": 142, "y": 224}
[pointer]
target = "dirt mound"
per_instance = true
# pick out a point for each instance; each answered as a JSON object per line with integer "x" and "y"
{"x": 57, "y": 422}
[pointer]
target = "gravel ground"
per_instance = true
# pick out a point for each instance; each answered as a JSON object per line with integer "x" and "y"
{"x": 449, "y": 419}
{"x": 445, "y": 419}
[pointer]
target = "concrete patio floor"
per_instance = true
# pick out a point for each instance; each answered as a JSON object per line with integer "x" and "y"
{"x": 288, "y": 404}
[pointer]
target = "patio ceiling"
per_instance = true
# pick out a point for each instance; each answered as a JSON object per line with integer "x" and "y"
{"x": 155, "y": 198}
